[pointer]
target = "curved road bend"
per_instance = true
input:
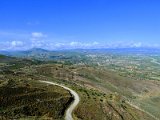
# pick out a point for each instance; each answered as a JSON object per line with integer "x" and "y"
{"x": 69, "y": 111}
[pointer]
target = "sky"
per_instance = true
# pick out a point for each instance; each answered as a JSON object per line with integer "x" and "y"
{"x": 71, "y": 24}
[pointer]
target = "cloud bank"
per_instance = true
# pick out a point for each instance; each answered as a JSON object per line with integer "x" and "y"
{"x": 41, "y": 40}
{"x": 20, "y": 45}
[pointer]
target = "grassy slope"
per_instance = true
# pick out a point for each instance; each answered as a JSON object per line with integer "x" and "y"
{"x": 22, "y": 96}
{"x": 102, "y": 92}
{"x": 145, "y": 94}
{"x": 33, "y": 99}
{"x": 97, "y": 87}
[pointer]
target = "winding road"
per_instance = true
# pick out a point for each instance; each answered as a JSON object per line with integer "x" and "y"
{"x": 68, "y": 115}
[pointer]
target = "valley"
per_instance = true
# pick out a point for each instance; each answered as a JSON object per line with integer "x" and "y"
{"x": 111, "y": 86}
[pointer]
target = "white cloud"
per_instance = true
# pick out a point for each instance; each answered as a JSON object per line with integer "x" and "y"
{"x": 75, "y": 44}
{"x": 37, "y": 39}
{"x": 38, "y": 44}
{"x": 16, "y": 43}
{"x": 38, "y": 35}
{"x": 69, "y": 45}
{"x": 139, "y": 44}
{"x": 13, "y": 45}
{"x": 58, "y": 44}
{"x": 95, "y": 43}
{"x": 122, "y": 44}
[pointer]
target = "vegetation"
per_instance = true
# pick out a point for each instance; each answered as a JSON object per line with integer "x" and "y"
{"x": 109, "y": 86}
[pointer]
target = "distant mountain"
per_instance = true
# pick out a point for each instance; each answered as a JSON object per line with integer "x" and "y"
{"x": 37, "y": 50}
{"x": 35, "y": 53}
{"x": 75, "y": 55}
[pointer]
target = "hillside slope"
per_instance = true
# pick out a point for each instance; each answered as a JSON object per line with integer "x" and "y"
{"x": 103, "y": 93}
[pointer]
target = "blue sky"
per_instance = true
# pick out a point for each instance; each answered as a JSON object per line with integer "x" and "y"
{"x": 67, "y": 24}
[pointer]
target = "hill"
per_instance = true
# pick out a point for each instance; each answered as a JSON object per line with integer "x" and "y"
{"x": 105, "y": 94}
{"x": 23, "y": 96}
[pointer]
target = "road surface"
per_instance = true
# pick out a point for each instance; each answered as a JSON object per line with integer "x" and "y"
{"x": 68, "y": 115}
